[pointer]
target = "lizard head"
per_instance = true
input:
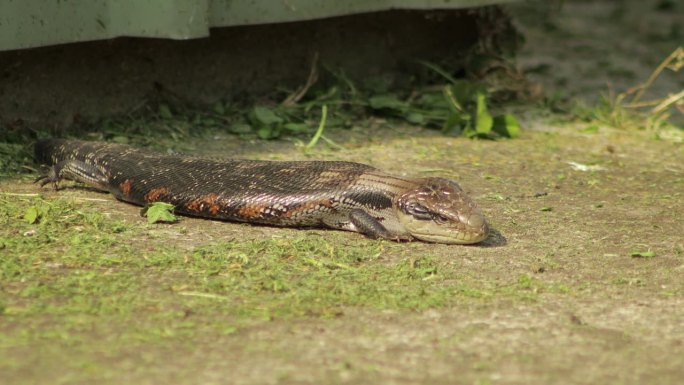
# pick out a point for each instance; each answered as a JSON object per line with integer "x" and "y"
{"x": 438, "y": 210}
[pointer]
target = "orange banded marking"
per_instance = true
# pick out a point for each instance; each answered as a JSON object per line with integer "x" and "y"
{"x": 125, "y": 187}
{"x": 252, "y": 210}
{"x": 326, "y": 203}
{"x": 208, "y": 202}
{"x": 156, "y": 193}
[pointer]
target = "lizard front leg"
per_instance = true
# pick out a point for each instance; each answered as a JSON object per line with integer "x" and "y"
{"x": 371, "y": 227}
{"x": 75, "y": 170}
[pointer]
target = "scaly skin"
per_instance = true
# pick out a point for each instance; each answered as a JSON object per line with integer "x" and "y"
{"x": 339, "y": 195}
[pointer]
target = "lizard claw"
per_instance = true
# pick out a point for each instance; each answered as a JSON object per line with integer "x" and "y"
{"x": 51, "y": 177}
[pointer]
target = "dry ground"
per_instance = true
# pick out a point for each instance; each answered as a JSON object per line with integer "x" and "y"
{"x": 581, "y": 310}
{"x": 556, "y": 295}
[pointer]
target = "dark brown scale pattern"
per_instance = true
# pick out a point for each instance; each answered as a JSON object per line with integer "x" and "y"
{"x": 270, "y": 192}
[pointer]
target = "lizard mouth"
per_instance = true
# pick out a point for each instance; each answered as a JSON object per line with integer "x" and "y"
{"x": 438, "y": 233}
{"x": 455, "y": 238}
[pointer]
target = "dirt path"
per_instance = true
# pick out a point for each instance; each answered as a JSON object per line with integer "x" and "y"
{"x": 581, "y": 282}
{"x": 555, "y": 296}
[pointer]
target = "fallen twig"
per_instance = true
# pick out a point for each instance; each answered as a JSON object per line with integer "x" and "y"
{"x": 296, "y": 96}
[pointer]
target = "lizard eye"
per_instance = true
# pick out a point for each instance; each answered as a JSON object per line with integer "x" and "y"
{"x": 418, "y": 211}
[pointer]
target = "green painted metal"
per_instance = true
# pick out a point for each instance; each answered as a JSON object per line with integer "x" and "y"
{"x": 33, "y": 23}
{"x": 230, "y": 12}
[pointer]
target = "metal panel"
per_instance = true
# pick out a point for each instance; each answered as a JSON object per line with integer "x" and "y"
{"x": 232, "y": 12}
{"x": 32, "y": 23}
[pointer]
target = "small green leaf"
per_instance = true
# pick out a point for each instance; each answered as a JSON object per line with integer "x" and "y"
{"x": 165, "y": 111}
{"x": 435, "y": 101}
{"x": 296, "y": 127}
{"x": 159, "y": 212}
{"x": 31, "y": 215}
{"x": 467, "y": 92}
{"x": 468, "y": 130}
{"x": 265, "y": 115}
{"x": 453, "y": 125}
{"x": 415, "y": 118}
{"x": 547, "y": 208}
{"x": 377, "y": 84}
{"x": 506, "y": 125}
{"x": 120, "y": 139}
{"x": 267, "y": 132}
{"x": 642, "y": 254}
{"x": 209, "y": 122}
{"x": 483, "y": 119}
{"x": 388, "y": 101}
{"x": 240, "y": 128}
{"x": 219, "y": 108}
